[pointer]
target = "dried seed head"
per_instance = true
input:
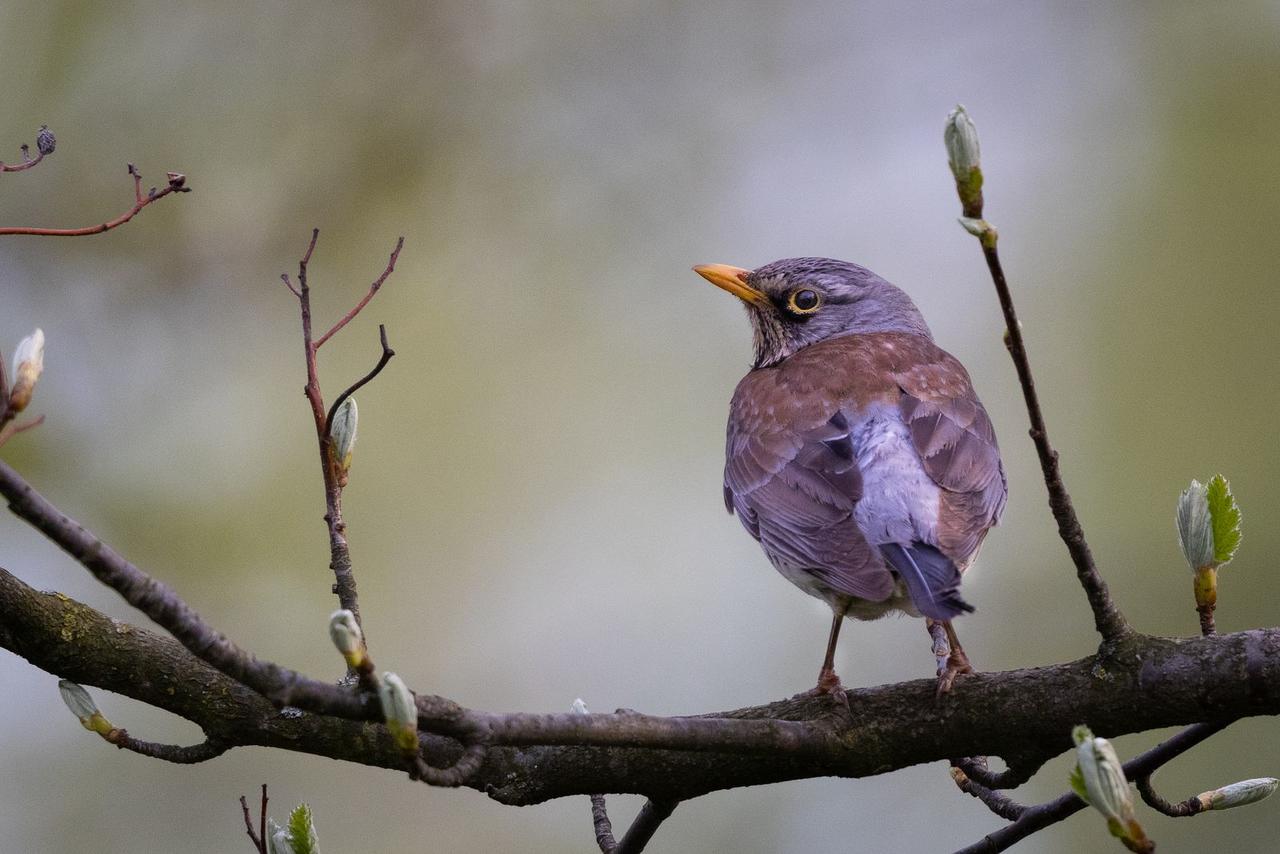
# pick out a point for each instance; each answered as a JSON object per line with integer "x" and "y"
{"x": 46, "y": 142}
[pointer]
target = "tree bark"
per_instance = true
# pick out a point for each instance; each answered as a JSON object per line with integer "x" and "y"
{"x": 1023, "y": 716}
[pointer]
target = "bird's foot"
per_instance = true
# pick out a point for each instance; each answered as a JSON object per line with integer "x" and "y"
{"x": 957, "y": 663}
{"x": 941, "y": 647}
{"x": 828, "y": 686}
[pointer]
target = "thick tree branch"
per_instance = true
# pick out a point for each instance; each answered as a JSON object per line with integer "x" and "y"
{"x": 1154, "y": 682}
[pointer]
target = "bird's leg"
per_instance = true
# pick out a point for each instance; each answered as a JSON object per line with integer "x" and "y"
{"x": 828, "y": 681}
{"x": 957, "y": 662}
{"x": 941, "y": 648}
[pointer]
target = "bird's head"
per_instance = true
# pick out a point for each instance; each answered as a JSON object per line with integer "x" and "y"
{"x": 800, "y": 301}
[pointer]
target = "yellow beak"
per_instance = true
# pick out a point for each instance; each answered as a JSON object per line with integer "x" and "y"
{"x": 733, "y": 280}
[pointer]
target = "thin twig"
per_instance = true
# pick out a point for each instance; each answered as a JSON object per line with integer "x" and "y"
{"x": 262, "y": 817}
{"x": 163, "y": 605}
{"x": 1001, "y": 805}
{"x": 45, "y": 143}
{"x": 373, "y": 289}
{"x": 1107, "y": 618}
{"x": 23, "y": 166}
{"x": 646, "y": 824}
{"x": 1042, "y": 815}
{"x": 387, "y": 353}
{"x": 259, "y": 841}
{"x": 975, "y": 768}
{"x": 177, "y": 184}
{"x": 1191, "y": 806}
{"x": 8, "y": 431}
{"x": 178, "y": 754}
{"x": 1208, "y": 625}
{"x": 339, "y": 550}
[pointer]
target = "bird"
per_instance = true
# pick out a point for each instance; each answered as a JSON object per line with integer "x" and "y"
{"x": 857, "y": 452}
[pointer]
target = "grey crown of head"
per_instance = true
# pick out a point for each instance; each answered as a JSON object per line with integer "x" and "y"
{"x": 853, "y": 300}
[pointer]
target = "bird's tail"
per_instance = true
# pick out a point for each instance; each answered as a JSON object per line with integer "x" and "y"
{"x": 932, "y": 579}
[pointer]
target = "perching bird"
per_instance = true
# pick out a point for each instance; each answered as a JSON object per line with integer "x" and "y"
{"x": 858, "y": 454}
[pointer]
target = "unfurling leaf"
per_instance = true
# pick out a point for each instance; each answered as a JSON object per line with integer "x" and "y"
{"x": 1226, "y": 519}
{"x": 302, "y": 831}
{"x": 1195, "y": 526}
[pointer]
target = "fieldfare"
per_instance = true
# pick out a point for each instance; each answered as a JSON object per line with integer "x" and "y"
{"x": 858, "y": 453}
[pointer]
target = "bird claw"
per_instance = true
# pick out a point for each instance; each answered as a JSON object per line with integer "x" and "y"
{"x": 957, "y": 663}
{"x": 828, "y": 686}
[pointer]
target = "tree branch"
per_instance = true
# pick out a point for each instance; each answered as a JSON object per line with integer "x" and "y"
{"x": 1156, "y": 683}
{"x": 177, "y": 184}
{"x": 339, "y": 550}
{"x": 962, "y": 145}
{"x": 1039, "y": 817}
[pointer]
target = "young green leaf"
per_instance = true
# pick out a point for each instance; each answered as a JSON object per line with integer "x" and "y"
{"x": 302, "y": 831}
{"x": 1076, "y": 781}
{"x": 1226, "y": 519}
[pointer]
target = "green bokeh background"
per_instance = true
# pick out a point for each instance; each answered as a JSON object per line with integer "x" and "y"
{"x": 534, "y": 510}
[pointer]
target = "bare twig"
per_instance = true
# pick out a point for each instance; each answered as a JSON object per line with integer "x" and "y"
{"x": 262, "y": 817}
{"x": 646, "y": 824}
{"x": 177, "y": 184}
{"x": 642, "y": 829}
{"x": 9, "y": 430}
{"x": 1041, "y": 816}
{"x": 178, "y": 754}
{"x": 339, "y": 550}
{"x": 259, "y": 839}
{"x": 1001, "y": 805}
{"x": 387, "y": 353}
{"x": 45, "y": 143}
{"x": 373, "y": 289}
{"x": 1191, "y": 806}
{"x": 1208, "y": 625}
{"x": 24, "y": 165}
{"x": 1107, "y": 618}
{"x": 975, "y": 768}
{"x": 163, "y": 605}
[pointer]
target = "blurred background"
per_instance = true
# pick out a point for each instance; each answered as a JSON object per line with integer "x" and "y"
{"x": 535, "y": 509}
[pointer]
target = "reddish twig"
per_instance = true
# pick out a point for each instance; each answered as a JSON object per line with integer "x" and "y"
{"x": 8, "y": 431}
{"x": 339, "y": 550}
{"x": 262, "y": 817}
{"x": 177, "y": 184}
{"x": 45, "y": 143}
{"x": 373, "y": 289}
{"x": 259, "y": 840}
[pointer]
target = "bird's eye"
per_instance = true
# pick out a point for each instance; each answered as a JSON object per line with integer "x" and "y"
{"x": 804, "y": 301}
